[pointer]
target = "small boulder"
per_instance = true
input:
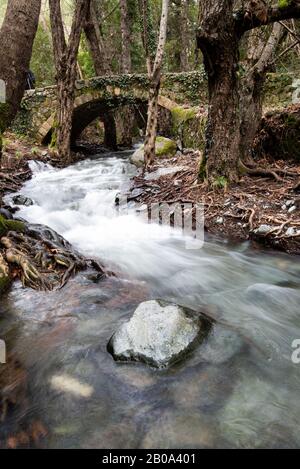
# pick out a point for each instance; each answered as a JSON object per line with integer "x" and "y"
{"x": 164, "y": 148}
{"x": 159, "y": 334}
{"x": 22, "y": 200}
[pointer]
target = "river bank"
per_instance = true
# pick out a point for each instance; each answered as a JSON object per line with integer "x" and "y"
{"x": 265, "y": 210}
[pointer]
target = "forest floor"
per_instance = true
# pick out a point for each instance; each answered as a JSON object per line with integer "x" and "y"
{"x": 262, "y": 209}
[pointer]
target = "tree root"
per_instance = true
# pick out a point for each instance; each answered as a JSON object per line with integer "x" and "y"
{"x": 273, "y": 173}
{"x": 40, "y": 263}
{"x": 4, "y": 273}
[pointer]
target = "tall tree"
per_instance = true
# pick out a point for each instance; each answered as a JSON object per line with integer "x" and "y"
{"x": 65, "y": 57}
{"x": 220, "y": 30}
{"x": 95, "y": 40}
{"x": 16, "y": 38}
{"x": 126, "y": 39}
{"x": 184, "y": 35}
{"x": 154, "y": 72}
{"x": 260, "y": 57}
{"x": 101, "y": 65}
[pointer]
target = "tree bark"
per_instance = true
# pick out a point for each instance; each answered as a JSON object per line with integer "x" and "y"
{"x": 184, "y": 35}
{"x": 95, "y": 41}
{"x": 125, "y": 35}
{"x": 16, "y": 38}
{"x": 220, "y": 30}
{"x": 102, "y": 67}
{"x": 155, "y": 76}
{"x": 65, "y": 57}
{"x": 260, "y": 57}
{"x": 219, "y": 43}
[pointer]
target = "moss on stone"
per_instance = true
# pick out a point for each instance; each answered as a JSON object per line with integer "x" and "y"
{"x": 283, "y": 3}
{"x": 10, "y": 225}
{"x": 181, "y": 114}
{"x": 165, "y": 147}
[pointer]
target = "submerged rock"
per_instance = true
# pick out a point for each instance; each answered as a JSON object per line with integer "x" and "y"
{"x": 159, "y": 333}
{"x": 164, "y": 148}
{"x": 22, "y": 200}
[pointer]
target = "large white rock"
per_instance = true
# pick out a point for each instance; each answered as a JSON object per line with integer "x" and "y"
{"x": 158, "y": 333}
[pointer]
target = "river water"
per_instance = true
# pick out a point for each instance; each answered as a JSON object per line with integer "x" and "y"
{"x": 240, "y": 389}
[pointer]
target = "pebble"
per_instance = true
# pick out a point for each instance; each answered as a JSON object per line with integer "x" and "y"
{"x": 292, "y": 209}
{"x": 220, "y": 221}
{"x": 290, "y": 231}
{"x": 289, "y": 203}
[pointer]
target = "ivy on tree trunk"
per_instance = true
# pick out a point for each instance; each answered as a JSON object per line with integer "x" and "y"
{"x": 65, "y": 57}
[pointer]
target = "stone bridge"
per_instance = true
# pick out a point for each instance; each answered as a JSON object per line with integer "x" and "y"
{"x": 100, "y": 96}
{"x": 181, "y": 95}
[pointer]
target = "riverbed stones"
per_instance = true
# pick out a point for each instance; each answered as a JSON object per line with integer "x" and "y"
{"x": 22, "y": 200}
{"x": 164, "y": 148}
{"x": 159, "y": 333}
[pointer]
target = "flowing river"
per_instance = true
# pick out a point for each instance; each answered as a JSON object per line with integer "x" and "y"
{"x": 240, "y": 390}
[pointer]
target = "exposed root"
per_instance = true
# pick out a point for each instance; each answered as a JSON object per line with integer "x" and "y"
{"x": 273, "y": 173}
{"x": 42, "y": 259}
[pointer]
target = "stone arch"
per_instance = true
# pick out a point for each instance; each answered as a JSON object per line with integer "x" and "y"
{"x": 90, "y": 106}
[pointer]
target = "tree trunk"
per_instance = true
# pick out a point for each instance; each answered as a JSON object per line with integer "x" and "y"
{"x": 95, "y": 41}
{"x": 260, "y": 57}
{"x": 65, "y": 56}
{"x": 219, "y": 44}
{"x": 220, "y": 29}
{"x": 125, "y": 35}
{"x": 125, "y": 116}
{"x": 16, "y": 38}
{"x": 184, "y": 35}
{"x": 155, "y": 74}
{"x": 102, "y": 67}
{"x": 151, "y": 129}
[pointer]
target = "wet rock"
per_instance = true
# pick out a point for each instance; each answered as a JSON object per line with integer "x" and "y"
{"x": 159, "y": 333}
{"x": 289, "y": 203}
{"x": 155, "y": 175}
{"x": 164, "y": 148}
{"x": 263, "y": 229}
{"x": 249, "y": 416}
{"x": 6, "y": 213}
{"x": 135, "y": 194}
{"x": 292, "y": 209}
{"x": 68, "y": 384}
{"x": 22, "y": 200}
{"x": 181, "y": 430}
